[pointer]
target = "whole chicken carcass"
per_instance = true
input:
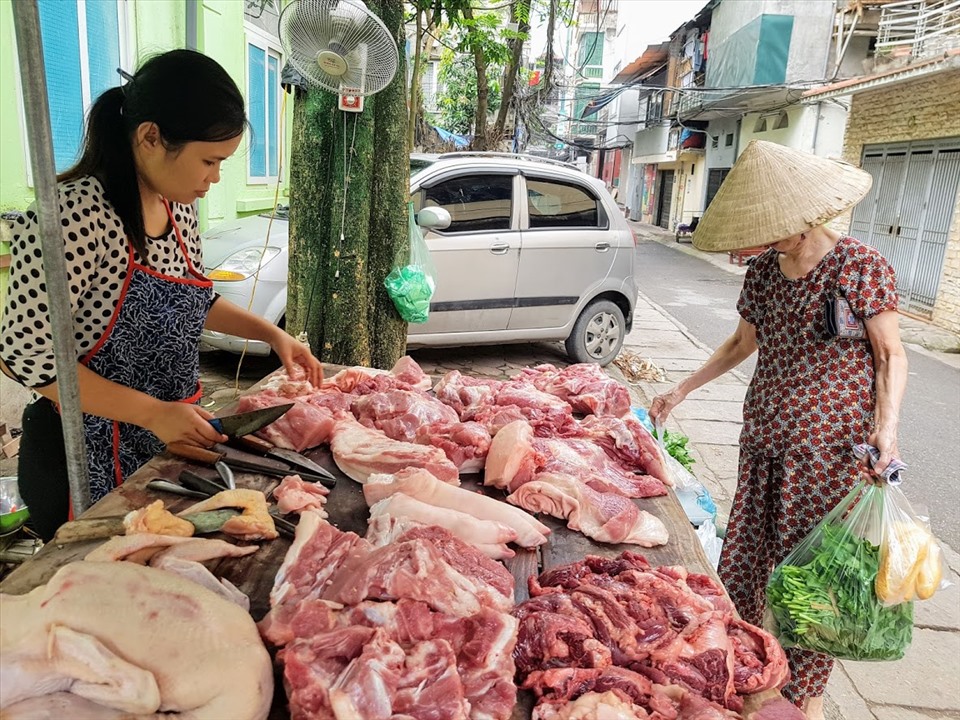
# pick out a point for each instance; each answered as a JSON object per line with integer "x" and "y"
{"x": 134, "y": 639}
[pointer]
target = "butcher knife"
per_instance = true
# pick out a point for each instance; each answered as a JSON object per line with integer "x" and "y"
{"x": 239, "y": 460}
{"x": 247, "y": 423}
{"x": 234, "y": 426}
{"x": 291, "y": 457}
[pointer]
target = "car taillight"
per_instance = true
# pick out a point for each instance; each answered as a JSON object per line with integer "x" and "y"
{"x": 633, "y": 234}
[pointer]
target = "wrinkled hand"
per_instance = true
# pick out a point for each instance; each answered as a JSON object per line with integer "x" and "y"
{"x": 662, "y": 405}
{"x": 184, "y": 423}
{"x": 296, "y": 357}
{"x": 886, "y": 442}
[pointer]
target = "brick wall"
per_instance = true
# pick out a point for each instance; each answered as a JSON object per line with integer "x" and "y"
{"x": 914, "y": 110}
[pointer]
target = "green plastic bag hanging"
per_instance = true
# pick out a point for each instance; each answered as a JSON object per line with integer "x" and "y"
{"x": 411, "y": 286}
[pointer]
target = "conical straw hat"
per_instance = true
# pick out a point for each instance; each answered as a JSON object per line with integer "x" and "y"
{"x": 774, "y": 192}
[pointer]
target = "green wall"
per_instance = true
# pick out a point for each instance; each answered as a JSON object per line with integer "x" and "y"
{"x": 153, "y": 26}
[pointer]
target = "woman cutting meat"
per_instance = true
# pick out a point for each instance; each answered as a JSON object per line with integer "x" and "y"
{"x": 813, "y": 394}
{"x": 137, "y": 291}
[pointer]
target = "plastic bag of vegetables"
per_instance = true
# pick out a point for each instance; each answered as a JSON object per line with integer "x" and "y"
{"x": 822, "y": 597}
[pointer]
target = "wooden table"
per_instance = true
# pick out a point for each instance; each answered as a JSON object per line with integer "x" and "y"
{"x": 254, "y": 574}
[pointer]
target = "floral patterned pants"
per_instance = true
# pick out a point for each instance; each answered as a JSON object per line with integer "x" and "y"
{"x": 779, "y": 501}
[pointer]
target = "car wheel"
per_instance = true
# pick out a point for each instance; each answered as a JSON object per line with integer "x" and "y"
{"x": 597, "y": 334}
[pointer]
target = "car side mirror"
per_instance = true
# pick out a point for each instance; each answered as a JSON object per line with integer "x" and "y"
{"x": 433, "y": 218}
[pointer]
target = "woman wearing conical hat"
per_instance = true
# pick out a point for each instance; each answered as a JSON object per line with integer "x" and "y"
{"x": 814, "y": 394}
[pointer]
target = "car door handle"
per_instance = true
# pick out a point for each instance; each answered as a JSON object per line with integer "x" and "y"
{"x": 602, "y": 246}
{"x": 500, "y": 248}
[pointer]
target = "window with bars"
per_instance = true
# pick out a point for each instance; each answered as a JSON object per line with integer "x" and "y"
{"x": 82, "y": 49}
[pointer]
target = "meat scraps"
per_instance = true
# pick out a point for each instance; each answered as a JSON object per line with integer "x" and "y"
{"x": 656, "y": 636}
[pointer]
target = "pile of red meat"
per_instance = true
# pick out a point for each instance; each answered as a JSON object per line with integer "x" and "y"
{"x": 661, "y": 639}
{"x": 416, "y": 627}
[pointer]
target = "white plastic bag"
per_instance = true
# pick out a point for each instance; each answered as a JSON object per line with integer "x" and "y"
{"x": 712, "y": 545}
{"x": 693, "y": 496}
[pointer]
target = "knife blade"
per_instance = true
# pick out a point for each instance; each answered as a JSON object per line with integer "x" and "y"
{"x": 247, "y": 423}
{"x": 295, "y": 460}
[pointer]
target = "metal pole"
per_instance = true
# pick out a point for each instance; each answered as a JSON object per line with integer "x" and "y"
{"x": 192, "y": 33}
{"x": 33, "y": 80}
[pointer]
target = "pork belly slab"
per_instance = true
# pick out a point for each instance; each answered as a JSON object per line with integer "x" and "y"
{"x": 421, "y": 485}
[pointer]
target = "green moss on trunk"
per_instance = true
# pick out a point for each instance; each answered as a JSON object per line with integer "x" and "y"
{"x": 390, "y": 190}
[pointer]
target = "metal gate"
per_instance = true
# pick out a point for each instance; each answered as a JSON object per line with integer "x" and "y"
{"x": 907, "y": 213}
{"x": 666, "y": 198}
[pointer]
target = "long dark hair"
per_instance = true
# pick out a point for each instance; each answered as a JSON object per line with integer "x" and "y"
{"x": 190, "y": 98}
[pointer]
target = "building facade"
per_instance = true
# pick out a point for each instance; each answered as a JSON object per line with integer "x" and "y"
{"x": 84, "y": 42}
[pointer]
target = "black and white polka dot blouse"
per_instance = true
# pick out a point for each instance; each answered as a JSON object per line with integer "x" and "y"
{"x": 97, "y": 254}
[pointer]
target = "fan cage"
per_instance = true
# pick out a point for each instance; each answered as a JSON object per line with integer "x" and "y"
{"x": 347, "y": 27}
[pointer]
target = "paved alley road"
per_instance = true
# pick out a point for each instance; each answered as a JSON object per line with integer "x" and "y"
{"x": 703, "y": 298}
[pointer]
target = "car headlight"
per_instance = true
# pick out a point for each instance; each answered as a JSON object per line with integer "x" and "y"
{"x": 243, "y": 263}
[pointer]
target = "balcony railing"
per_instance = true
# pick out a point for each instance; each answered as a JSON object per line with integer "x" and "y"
{"x": 919, "y": 29}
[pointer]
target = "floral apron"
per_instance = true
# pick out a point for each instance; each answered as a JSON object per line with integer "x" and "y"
{"x": 150, "y": 345}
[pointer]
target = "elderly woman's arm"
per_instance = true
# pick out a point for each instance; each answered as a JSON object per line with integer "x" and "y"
{"x": 890, "y": 369}
{"x": 734, "y": 350}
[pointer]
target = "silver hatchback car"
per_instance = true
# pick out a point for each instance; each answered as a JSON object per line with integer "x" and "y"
{"x": 535, "y": 250}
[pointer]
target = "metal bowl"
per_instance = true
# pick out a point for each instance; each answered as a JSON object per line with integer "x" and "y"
{"x": 13, "y": 511}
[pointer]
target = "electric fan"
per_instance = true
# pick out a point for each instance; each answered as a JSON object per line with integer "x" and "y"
{"x": 339, "y": 45}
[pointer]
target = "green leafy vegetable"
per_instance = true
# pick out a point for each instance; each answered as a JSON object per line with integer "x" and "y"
{"x": 676, "y": 446}
{"x": 829, "y": 604}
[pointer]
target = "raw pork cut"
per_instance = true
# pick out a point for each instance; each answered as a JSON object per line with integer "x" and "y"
{"x": 465, "y": 444}
{"x": 588, "y": 463}
{"x": 541, "y": 409}
{"x": 466, "y": 394}
{"x": 512, "y": 459}
{"x": 303, "y": 426}
{"x": 466, "y": 527}
{"x": 136, "y": 639}
{"x": 604, "y": 516}
{"x": 619, "y": 624}
{"x": 399, "y": 413}
{"x": 295, "y": 495}
{"x": 516, "y": 456}
{"x": 412, "y": 625}
{"x": 585, "y": 386}
{"x": 626, "y": 440}
{"x": 423, "y": 486}
{"x": 360, "y": 452}
{"x": 453, "y": 665}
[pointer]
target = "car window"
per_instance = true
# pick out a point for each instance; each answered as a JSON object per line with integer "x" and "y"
{"x": 551, "y": 203}
{"x": 475, "y": 202}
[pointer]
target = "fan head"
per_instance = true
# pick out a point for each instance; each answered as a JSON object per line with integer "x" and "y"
{"x": 339, "y": 43}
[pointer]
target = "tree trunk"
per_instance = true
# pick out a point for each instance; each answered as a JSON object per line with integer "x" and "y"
{"x": 389, "y": 239}
{"x": 483, "y": 92}
{"x": 513, "y": 68}
{"x": 347, "y": 222}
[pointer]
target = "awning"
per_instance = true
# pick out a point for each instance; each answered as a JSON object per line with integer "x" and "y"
{"x": 652, "y": 59}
